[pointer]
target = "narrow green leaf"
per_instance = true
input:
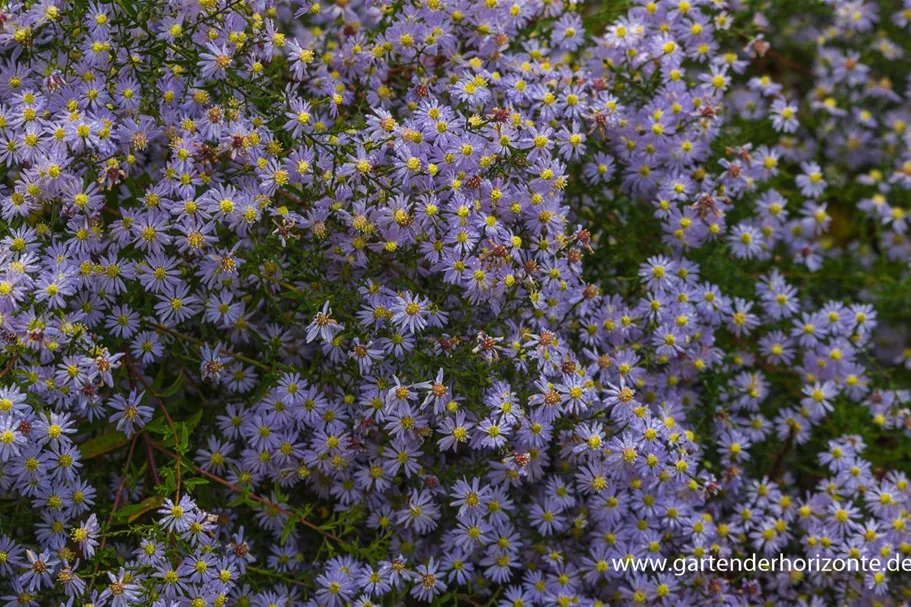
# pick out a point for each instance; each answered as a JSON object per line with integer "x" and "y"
{"x": 195, "y": 481}
{"x": 194, "y": 420}
{"x": 134, "y": 511}
{"x": 184, "y": 441}
{"x": 159, "y": 426}
{"x": 173, "y": 388}
{"x": 287, "y": 531}
{"x": 100, "y": 445}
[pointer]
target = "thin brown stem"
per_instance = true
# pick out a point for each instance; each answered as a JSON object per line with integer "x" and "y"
{"x": 256, "y": 498}
{"x": 278, "y": 576}
{"x": 9, "y": 366}
{"x": 199, "y": 342}
{"x": 141, "y": 378}
{"x": 114, "y": 506}
{"x": 150, "y": 457}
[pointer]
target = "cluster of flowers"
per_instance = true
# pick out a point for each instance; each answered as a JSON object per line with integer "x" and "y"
{"x": 366, "y": 302}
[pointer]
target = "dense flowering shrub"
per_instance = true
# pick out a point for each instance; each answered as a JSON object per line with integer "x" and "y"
{"x": 454, "y": 301}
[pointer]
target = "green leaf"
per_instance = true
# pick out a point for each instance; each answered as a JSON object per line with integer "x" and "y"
{"x": 169, "y": 481}
{"x": 134, "y": 511}
{"x": 173, "y": 388}
{"x": 158, "y": 380}
{"x": 184, "y": 441}
{"x": 287, "y": 531}
{"x": 194, "y": 481}
{"x": 194, "y": 421}
{"x": 102, "y": 444}
{"x": 240, "y": 499}
{"x": 159, "y": 425}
